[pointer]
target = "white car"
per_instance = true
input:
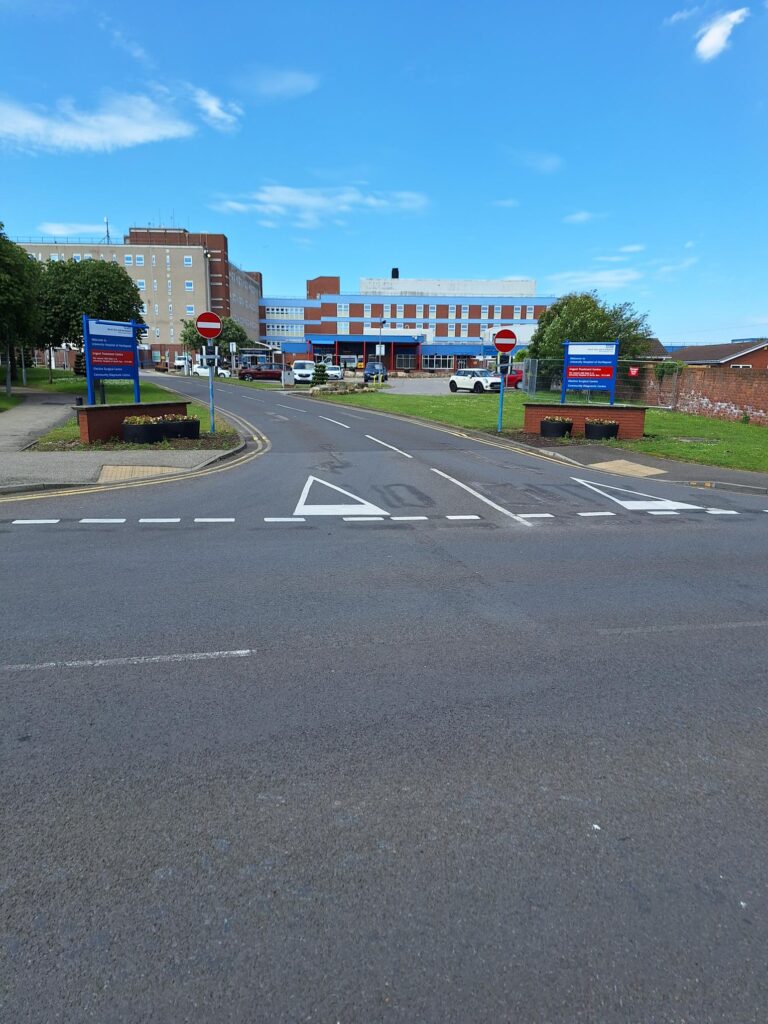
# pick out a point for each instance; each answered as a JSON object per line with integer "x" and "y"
{"x": 334, "y": 372}
{"x": 478, "y": 381}
{"x": 303, "y": 371}
{"x": 202, "y": 371}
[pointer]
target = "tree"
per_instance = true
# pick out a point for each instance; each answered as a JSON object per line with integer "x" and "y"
{"x": 19, "y": 302}
{"x": 582, "y": 316}
{"x": 231, "y": 331}
{"x": 319, "y": 375}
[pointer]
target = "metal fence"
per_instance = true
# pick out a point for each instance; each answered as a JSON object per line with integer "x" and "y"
{"x": 638, "y": 382}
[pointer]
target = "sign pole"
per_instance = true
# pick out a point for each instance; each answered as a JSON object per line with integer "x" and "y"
{"x": 501, "y": 402}
{"x": 211, "y": 370}
{"x": 504, "y": 341}
{"x": 136, "y": 388}
{"x": 88, "y": 367}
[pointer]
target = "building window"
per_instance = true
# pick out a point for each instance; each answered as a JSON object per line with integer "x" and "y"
{"x": 154, "y": 260}
{"x": 76, "y": 257}
{"x": 167, "y": 260}
{"x": 170, "y": 307}
{"x": 171, "y": 332}
{"x": 343, "y": 327}
{"x": 187, "y": 261}
{"x": 188, "y": 286}
{"x": 342, "y": 309}
{"x": 400, "y": 312}
{"x": 437, "y": 362}
{"x": 190, "y": 310}
{"x": 141, "y": 284}
{"x": 367, "y": 310}
{"x": 432, "y": 312}
{"x": 157, "y": 332}
{"x": 529, "y": 312}
{"x": 139, "y": 261}
{"x": 483, "y": 312}
{"x": 451, "y": 312}
{"x": 465, "y": 330}
{"x": 157, "y": 309}
{"x": 154, "y": 285}
{"x": 517, "y": 313}
{"x": 465, "y": 312}
{"x": 54, "y": 257}
{"x": 170, "y": 285}
{"x": 88, "y": 256}
{"x": 114, "y": 257}
{"x": 143, "y": 308}
{"x": 419, "y": 312}
{"x": 128, "y": 260}
{"x": 405, "y": 361}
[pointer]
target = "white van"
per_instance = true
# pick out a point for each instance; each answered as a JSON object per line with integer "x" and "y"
{"x": 303, "y": 371}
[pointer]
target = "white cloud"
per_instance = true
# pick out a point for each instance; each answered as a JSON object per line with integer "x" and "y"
{"x": 682, "y": 15}
{"x": 280, "y": 85}
{"x": 631, "y": 248}
{"x": 713, "y": 37}
{"x": 313, "y": 207}
{"x": 571, "y": 280}
{"x": 216, "y": 113}
{"x": 580, "y": 217}
{"x": 121, "y": 122}
{"x": 689, "y": 245}
{"x": 543, "y": 163}
{"x": 674, "y": 268}
{"x": 59, "y": 228}
{"x": 611, "y": 259}
{"x": 506, "y": 203}
{"x": 123, "y": 42}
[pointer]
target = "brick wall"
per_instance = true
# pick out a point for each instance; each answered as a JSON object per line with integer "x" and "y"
{"x": 719, "y": 392}
{"x": 103, "y": 422}
{"x": 631, "y": 419}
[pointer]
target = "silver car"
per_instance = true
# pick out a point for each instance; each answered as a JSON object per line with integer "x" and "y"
{"x": 334, "y": 372}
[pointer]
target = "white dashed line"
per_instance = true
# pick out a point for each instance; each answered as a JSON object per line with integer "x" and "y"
{"x": 408, "y": 519}
{"x": 363, "y": 519}
{"x": 292, "y": 408}
{"x": 536, "y": 515}
{"x": 462, "y": 517}
{"x": 338, "y": 424}
{"x": 661, "y": 512}
{"x": 138, "y": 660}
{"x": 178, "y": 520}
{"x": 34, "y": 522}
{"x": 101, "y": 522}
{"x": 721, "y": 512}
{"x": 390, "y": 446}
{"x": 481, "y": 497}
{"x": 284, "y": 519}
{"x": 586, "y": 515}
{"x": 214, "y": 520}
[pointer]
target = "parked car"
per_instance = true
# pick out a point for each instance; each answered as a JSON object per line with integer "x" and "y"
{"x": 262, "y": 371}
{"x": 348, "y": 362}
{"x": 202, "y": 371}
{"x": 334, "y": 372}
{"x": 360, "y": 364}
{"x": 478, "y": 381}
{"x": 514, "y": 377}
{"x": 303, "y": 371}
{"x": 373, "y": 370}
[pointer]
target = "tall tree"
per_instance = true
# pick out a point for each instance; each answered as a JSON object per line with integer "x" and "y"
{"x": 582, "y": 316}
{"x": 92, "y": 287}
{"x": 19, "y": 302}
{"x": 231, "y": 331}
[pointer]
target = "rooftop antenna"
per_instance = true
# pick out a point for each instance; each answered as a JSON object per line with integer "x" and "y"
{"x": 107, "y": 238}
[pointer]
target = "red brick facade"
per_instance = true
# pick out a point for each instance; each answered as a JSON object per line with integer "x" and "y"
{"x": 103, "y": 422}
{"x": 631, "y": 419}
{"x": 719, "y": 392}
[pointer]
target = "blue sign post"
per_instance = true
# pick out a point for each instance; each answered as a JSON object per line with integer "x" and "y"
{"x": 111, "y": 353}
{"x": 590, "y": 366}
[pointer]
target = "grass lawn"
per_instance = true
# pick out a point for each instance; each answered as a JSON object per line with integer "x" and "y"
{"x": 6, "y": 402}
{"x": 670, "y": 435}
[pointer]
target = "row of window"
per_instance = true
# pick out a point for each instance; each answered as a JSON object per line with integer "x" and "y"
{"x": 141, "y": 284}
{"x": 128, "y": 259}
{"x": 188, "y": 310}
{"x": 397, "y": 312}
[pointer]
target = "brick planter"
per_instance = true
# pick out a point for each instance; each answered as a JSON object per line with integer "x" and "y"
{"x": 631, "y": 418}
{"x": 103, "y": 422}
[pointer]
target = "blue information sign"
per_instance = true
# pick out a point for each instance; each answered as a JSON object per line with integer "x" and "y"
{"x": 590, "y": 366}
{"x": 111, "y": 353}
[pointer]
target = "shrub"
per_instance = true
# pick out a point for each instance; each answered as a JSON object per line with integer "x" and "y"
{"x": 320, "y": 376}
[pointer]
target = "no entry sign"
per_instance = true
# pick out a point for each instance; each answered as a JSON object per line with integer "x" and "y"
{"x": 208, "y": 325}
{"x": 505, "y": 340}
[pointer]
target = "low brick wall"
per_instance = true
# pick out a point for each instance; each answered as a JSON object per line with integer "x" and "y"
{"x": 631, "y": 419}
{"x": 719, "y": 392}
{"x": 102, "y": 422}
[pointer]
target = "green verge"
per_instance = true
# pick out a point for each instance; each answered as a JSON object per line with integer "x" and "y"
{"x": 669, "y": 435}
{"x": 8, "y": 403}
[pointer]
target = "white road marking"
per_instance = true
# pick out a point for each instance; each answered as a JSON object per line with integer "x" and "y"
{"x": 34, "y": 522}
{"x": 536, "y": 515}
{"x": 585, "y": 514}
{"x": 661, "y": 512}
{"x": 101, "y": 521}
{"x": 361, "y": 506}
{"x": 200, "y": 520}
{"x": 481, "y": 497}
{"x": 292, "y": 408}
{"x": 721, "y": 512}
{"x": 408, "y": 519}
{"x": 178, "y": 520}
{"x": 390, "y": 446}
{"x": 648, "y": 503}
{"x": 462, "y": 517}
{"x": 284, "y": 519}
{"x": 363, "y": 519}
{"x": 338, "y": 424}
{"x": 155, "y": 659}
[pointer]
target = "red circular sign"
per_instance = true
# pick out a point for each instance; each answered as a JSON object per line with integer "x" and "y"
{"x": 208, "y": 325}
{"x": 505, "y": 340}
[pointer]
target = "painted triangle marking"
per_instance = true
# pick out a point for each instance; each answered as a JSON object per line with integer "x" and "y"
{"x": 640, "y": 502}
{"x": 361, "y": 507}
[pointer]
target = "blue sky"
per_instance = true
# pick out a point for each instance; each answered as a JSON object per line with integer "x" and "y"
{"x": 616, "y": 146}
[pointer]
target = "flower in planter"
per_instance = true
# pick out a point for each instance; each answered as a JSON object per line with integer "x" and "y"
{"x": 605, "y": 423}
{"x": 175, "y": 417}
{"x": 142, "y": 421}
{"x": 556, "y": 419}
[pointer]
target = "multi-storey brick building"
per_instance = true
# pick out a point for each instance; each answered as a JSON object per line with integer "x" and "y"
{"x": 179, "y": 274}
{"x": 414, "y": 324}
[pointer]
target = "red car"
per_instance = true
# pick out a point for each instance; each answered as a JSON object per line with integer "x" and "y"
{"x": 261, "y": 371}
{"x": 514, "y": 378}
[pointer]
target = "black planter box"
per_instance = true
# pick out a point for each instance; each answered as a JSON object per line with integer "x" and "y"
{"x": 555, "y": 428}
{"x": 142, "y": 433}
{"x": 600, "y": 431}
{"x": 188, "y": 428}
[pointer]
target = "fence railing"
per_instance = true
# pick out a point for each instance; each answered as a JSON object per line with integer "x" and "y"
{"x": 638, "y": 382}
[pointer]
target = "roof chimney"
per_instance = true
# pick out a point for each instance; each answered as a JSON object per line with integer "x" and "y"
{"x": 395, "y": 273}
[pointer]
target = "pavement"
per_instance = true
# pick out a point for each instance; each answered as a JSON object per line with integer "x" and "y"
{"x": 22, "y": 469}
{"x": 386, "y": 724}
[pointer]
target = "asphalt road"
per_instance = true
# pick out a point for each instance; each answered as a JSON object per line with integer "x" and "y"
{"x": 318, "y": 761}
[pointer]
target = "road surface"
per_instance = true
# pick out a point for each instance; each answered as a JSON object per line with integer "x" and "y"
{"x": 384, "y": 724}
